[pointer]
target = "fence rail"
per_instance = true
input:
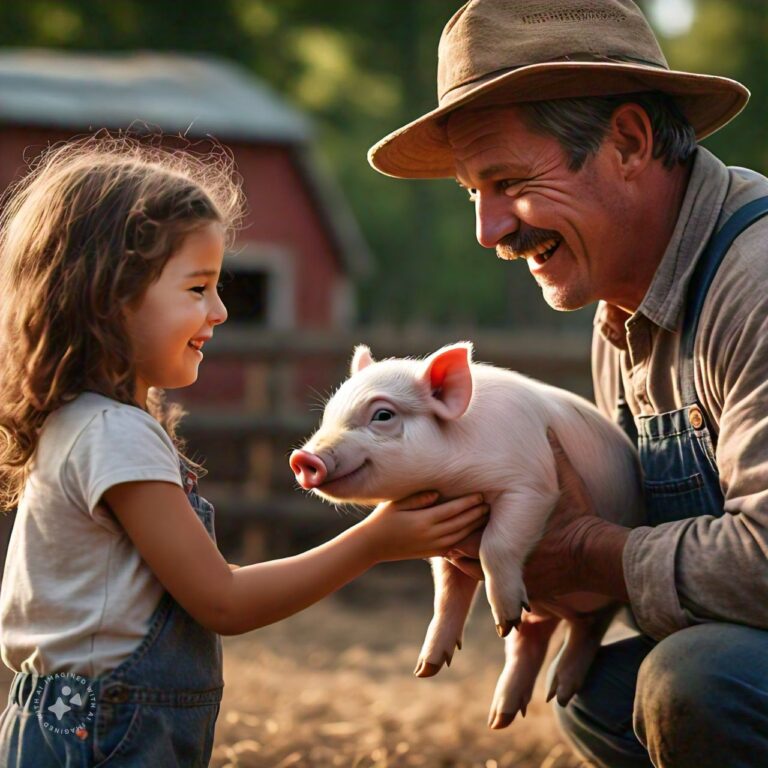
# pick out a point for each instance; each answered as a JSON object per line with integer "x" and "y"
{"x": 510, "y": 349}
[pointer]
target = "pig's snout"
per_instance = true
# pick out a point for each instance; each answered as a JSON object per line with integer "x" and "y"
{"x": 310, "y": 470}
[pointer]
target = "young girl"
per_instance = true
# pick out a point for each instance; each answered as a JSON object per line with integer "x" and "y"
{"x": 114, "y": 592}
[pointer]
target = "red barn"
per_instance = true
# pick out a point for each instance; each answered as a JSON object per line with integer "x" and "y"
{"x": 295, "y": 260}
{"x": 300, "y": 248}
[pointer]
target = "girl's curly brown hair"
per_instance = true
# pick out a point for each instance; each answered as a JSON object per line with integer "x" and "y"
{"x": 82, "y": 235}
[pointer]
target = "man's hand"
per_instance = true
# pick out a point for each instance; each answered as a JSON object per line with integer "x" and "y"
{"x": 553, "y": 568}
{"x": 579, "y": 551}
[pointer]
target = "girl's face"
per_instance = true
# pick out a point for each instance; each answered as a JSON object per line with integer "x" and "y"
{"x": 176, "y": 315}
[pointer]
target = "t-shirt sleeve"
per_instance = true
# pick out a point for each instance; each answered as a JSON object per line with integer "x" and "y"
{"x": 117, "y": 445}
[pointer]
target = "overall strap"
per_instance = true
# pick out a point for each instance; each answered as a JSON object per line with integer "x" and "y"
{"x": 705, "y": 271}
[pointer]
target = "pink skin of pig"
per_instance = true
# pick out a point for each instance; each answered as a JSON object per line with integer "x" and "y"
{"x": 399, "y": 426}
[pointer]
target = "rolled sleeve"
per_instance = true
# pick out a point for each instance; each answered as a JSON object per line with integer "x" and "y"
{"x": 649, "y": 563}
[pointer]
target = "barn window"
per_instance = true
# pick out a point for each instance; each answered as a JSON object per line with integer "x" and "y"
{"x": 246, "y": 295}
{"x": 258, "y": 286}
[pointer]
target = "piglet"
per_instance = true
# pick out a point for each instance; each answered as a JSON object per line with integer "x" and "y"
{"x": 399, "y": 426}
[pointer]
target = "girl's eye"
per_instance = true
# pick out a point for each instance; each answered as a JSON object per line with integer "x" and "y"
{"x": 199, "y": 289}
{"x": 383, "y": 414}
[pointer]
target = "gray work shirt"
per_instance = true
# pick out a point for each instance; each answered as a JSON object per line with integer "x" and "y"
{"x": 703, "y": 568}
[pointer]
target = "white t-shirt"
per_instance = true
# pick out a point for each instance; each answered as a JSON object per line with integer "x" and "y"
{"x": 76, "y": 594}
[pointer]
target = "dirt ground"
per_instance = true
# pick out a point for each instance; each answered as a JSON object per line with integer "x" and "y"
{"x": 333, "y": 686}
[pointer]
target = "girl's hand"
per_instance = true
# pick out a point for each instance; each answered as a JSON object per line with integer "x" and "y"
{"x": 411, "y": 528}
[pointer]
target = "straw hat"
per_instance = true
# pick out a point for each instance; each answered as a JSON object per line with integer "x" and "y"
{"x": 509, "y": 51}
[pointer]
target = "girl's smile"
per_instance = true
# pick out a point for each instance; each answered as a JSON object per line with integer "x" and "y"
{"x": 170, "y": 324}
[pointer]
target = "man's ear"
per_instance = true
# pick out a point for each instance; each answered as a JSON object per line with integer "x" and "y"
{"x": 448, "y": 375}
{"x": 632, "y": 135}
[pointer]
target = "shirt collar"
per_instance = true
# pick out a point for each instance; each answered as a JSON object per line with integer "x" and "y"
{"x": 707, "y": 187}
{"x": 665, "y": 298}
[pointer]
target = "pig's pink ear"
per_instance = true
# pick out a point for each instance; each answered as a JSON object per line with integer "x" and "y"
{"x": 361, "y": 359}
{"x": 449, "y": 377}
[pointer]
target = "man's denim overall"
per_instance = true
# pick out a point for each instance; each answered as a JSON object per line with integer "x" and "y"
{"x": 158, "y": 708}
{"x": 700, "y": 696}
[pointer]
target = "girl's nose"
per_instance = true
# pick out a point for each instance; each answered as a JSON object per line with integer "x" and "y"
{"x": 218, "y": 313}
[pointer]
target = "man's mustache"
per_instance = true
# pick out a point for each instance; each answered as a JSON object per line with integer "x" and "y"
{"x": 513, "y": 245}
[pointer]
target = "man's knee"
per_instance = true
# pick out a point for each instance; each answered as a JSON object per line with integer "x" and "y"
{"x": 694, "y": 690}
{"x": 676, "y": 690}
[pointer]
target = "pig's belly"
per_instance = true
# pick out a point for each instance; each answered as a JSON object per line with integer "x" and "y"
{"x": 569, "y": 607}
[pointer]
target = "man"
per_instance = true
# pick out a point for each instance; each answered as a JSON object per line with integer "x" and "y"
{"x": 578, "y": 146}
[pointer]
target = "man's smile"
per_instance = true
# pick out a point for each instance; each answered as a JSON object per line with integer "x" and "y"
{"x": 540, "y": 253}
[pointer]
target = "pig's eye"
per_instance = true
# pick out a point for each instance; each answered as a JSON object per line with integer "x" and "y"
{"x": 383, "y": 414}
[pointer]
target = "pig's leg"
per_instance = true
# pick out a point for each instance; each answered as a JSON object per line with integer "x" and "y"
{"x": 454, "y": 591}
{"x": 525, "y": 651}
{"x": 516, "y": 524}
{"x": 569, "y": 670}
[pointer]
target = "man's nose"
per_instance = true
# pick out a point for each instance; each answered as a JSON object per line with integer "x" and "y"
{"x": 494, "y": 219}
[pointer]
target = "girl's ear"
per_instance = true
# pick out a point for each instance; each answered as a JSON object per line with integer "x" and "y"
{"x": 448, "y": 375}
{"x": 361, "y": 359}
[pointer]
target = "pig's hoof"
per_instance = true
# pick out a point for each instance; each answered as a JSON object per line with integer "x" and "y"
{"x": 499, "y": 720}
{"x": 563, "y": 690}
{"x": 507, "y": 626}
{"x": 552, "y": 690}
{"x": 427, "y": 669}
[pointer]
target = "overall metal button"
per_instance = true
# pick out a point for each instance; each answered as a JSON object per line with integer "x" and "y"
{"x": 117, "y": 695}
{"x": 695, "y": 417}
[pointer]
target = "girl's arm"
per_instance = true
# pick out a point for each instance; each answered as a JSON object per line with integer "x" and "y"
{"x": 174, "y": 543}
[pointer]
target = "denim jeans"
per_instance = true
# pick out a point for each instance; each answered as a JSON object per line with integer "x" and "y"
{"x": 697, "y": 699}
{"x": 158, "y": 708}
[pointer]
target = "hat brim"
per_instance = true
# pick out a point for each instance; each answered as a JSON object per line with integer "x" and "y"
{"x": 420, "y": 150}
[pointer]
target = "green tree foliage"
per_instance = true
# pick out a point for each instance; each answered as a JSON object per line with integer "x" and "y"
{"x": 361, "y": 68}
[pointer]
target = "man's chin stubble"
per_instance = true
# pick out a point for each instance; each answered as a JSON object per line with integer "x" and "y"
{"x": 562, "y": 300}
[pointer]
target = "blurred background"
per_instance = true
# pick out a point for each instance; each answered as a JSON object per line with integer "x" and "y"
{"x": 331, "y": 254}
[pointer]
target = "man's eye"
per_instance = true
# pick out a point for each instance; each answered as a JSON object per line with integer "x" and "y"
{"x": 508, "y": 184}
{"x": 383, "y": 414}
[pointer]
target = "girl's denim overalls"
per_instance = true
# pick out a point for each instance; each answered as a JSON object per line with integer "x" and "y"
{"x": 158, "y": 708}
{"x": 721, "y": 667}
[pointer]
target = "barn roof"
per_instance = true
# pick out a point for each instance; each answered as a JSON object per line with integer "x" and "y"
{"x": 195, "y": 95}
